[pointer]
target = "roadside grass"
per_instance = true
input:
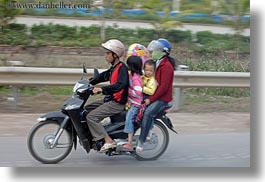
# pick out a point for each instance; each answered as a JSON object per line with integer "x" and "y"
{"x": 62, "y": 35}
{"x": 33, "y": 91}
{"x": 52, "y": 97}
{"x": 34, "y": 100}
{"x": 67, "y": 91}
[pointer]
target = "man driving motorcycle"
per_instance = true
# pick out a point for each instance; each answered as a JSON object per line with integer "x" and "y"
{"x": 116, "y": 93}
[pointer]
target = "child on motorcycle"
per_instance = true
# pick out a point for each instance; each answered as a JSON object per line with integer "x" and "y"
{"x": 149, "y": 85}
{"x": 135, "y": 96}
{"x": 149, "y": 81}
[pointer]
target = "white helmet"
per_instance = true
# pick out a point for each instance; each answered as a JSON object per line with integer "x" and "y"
{"x": 114, "y": 46}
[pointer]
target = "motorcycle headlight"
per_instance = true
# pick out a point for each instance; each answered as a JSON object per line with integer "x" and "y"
{"x": 78, "y": 86}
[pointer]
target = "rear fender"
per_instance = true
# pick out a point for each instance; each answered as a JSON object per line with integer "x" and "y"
{"x": 167, "y": 122}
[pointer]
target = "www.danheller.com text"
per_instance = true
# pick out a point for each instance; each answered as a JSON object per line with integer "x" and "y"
{"x": 48, "y": 5}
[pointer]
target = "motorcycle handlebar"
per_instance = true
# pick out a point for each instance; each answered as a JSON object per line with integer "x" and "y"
{"x": 92, "y": 93}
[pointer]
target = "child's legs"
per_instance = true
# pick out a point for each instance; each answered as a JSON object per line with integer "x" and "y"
{"x": 130, "y": 138}
{"x": 130, "y": 117}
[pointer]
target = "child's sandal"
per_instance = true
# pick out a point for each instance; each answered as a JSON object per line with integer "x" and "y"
{"x": 127, "y": 146}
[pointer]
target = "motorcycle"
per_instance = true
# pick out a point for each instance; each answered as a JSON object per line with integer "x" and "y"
{"x": 56, "y": 133}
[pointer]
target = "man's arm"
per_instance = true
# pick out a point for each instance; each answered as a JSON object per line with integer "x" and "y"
{"x": 103, "y": 77}
{"x": 163, "y": 85}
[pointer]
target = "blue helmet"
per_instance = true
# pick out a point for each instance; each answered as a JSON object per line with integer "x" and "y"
{"x": 159, "y": 45}
{"x": 166, "y": 44}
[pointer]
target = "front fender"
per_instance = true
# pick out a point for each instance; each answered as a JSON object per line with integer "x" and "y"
{"x": 59, "y": 117}
{"x": 54, "y": 116}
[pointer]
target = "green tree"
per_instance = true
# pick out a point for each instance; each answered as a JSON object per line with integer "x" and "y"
{"x": 237, "y": 9}
{"x": 7, "y": 13}
{"x": 196, "y": 6}
{"x": 115, "y": 5}
{"x": 163, "y": 22}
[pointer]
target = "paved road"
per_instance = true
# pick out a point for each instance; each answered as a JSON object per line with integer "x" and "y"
{"x": 29, "y": 21}
{"x": 13, "y": 125}
{"x": 201, "y": 150}
{"x": 204, "y": 140}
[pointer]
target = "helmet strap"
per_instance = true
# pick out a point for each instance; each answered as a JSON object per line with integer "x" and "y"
{"x": 114, "y": 56}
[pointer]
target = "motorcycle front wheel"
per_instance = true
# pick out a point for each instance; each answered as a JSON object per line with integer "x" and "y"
{"x": 156, "y": 142}
{"x": 41, "y": 139}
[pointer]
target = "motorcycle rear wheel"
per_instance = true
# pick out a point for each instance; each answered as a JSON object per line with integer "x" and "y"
{"x": 39, "y": 143}
{"x": 159, "y": 141}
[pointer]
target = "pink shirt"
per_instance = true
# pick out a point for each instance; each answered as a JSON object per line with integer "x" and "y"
{"x": 135, "y": 95}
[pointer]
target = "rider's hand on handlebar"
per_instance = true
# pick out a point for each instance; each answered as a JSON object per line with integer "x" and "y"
{"x": 97, "y": 90}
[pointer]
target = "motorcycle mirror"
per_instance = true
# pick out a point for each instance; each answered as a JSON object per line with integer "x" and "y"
{"x": 96, "y": 73}
{"x": 84, "y": 68}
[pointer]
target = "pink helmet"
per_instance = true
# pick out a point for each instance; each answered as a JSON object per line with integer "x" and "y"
{"x": 114, "y": 46}
{"x": 138, "y": 50}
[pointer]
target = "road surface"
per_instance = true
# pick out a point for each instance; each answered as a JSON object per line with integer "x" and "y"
{"x": 201, "y": 150}
{"x": 204, "y": 140}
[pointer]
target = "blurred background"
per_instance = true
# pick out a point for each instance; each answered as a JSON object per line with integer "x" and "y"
{"x": 53, "y": 45}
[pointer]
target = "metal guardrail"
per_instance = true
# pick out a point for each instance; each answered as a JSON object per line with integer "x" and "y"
{"x": 19, "y": 76}
{"x": 211, "y": 79}
{"x": 32, "y": 76}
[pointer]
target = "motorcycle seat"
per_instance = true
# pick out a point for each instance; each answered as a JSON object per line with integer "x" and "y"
{"x": 164, "y": 111}
{"x": 120, "y": 117}
{"x": 167, "y": 109}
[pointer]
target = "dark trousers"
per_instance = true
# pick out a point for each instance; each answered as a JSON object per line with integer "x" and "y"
{"x": 148, "y": 119}
{"x": 97, "y": 112}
